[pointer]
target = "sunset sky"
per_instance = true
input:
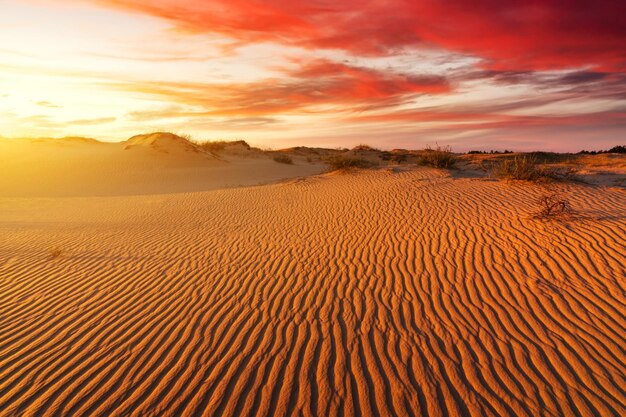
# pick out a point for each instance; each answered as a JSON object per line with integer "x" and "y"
{"x": 473, "y": 74}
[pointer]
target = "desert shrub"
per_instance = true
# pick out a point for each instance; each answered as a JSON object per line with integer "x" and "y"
{"x": 552, "y": 206}
{"x": 283, "y": 159}
{"x": 363, "y": 147}
{"x": 340, "y": 162}
{"x": 523, "y": 167}
{"x": 440, "y": 157}
{"x": 55, "y": 252}
{"x": 490, "y": 152}
{"x": 560, "y": 173}
{"x": 399, "y": 158}
{"x": 396, "y": 157}
{"x": 528, "y": 168}
{"x": 614, "y": 149}
{"x": 617, "y": 149}
{"x": 549, "y": 157}
{"x": 214, "y": 146}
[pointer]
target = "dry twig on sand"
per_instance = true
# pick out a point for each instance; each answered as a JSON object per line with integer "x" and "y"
{"x": 553, "y": 206}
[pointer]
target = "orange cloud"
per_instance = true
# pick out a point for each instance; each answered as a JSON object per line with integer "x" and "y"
{"x": 313, "y": 84}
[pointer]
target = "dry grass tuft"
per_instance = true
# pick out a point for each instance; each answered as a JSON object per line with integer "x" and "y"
{"x": 522, "y": 168}
{"x": 396, "y": 157}
{"x": 343, "y": 163}
{"x": 283, "y": 159}
{"x": 440, "y": 157}
{"x": 363, "y": 147}
{"x": 529, "y": 168}
{"x": 213, "y": 146}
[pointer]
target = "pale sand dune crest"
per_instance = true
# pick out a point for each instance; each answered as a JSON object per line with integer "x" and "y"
{"x": 374, "y": 293}
{"x": 146, "y": 164}
{"x": 163, "y": 142}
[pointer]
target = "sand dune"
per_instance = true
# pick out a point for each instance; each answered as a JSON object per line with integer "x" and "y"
{"x": 145, "y": 164}
{"x": 375, "y": 293}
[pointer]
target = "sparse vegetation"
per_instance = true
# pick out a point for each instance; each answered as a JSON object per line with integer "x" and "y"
{"x": 340, "y": 162}
{"x": 617, "y": 149}
{"x": 55, "y": 252}
{"x": 549, "y": 157}
{"x": 522, "y": 168}
{"x": 283, "y": 159}
{"x": 220, "y": 146}
{"x": 395, "y": 157}
{"x": 187, "y": 137}
{"x": 614, "y": 149}
{"x": 213, "y": 146}
{"x": 553, "y": 206}
{"x": 440, "y": 157}
{"x": 363, "y": 147}
{"x": 563, "y": 173}
{"x": 492, "y": 152}
{"x": 528, "y": 168}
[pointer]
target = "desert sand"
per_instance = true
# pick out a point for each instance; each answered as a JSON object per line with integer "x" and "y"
{"x": 145, "y": 164}
{"x": 408, "y": 291}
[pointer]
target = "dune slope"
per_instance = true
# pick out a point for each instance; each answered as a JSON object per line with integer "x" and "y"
{"x": 155, "y": 163}
{"x": 374, "y": 294}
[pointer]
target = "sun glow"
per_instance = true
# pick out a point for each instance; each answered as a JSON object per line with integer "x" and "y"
{"x": 110, "y": 69}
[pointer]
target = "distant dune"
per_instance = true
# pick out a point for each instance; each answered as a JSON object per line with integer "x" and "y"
{"x": 145, "y": 164}
{"x": 402, "y": 291}
{"x": 162, "y": 163}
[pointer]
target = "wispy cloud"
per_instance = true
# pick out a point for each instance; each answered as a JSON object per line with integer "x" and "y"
{"x": 48, "y": 104}
{"x": 317, "y": 86}
{"x": 98, "y": 121}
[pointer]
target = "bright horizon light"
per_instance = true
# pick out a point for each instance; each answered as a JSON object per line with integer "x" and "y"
{"x": 391, "y": 74}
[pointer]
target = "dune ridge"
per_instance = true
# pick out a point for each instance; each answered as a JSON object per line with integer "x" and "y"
{"x": 154, "y": 163}
{"x": 376, "y": 293}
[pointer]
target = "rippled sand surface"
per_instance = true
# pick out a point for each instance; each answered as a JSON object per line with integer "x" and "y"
{"x": 374, "y": 293}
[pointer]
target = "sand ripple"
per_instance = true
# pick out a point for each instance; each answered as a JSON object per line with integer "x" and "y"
{"x": 370, "y": 294}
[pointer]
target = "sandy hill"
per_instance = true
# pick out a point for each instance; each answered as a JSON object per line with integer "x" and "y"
{"x": 164, "y": 142}
{"x": 155, "y": 163}
{"x": 162, "y": 162}
{"x": 68, "y": 140}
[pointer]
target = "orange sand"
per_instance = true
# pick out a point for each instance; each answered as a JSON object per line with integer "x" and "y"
{"x": 373, "y": 293}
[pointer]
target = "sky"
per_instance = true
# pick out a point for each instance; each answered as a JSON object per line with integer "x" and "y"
{"x": 471, "y": 74}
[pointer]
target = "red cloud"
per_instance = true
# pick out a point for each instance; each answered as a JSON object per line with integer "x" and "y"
{"x": 365, "y": 83}
{"x": 314, "y": 83}
{"x": 512, "y": 34}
